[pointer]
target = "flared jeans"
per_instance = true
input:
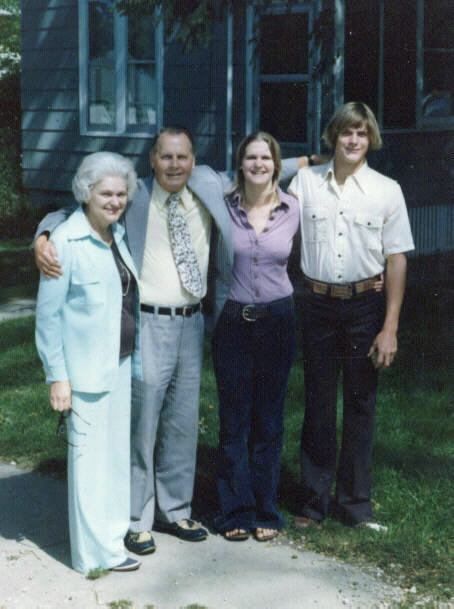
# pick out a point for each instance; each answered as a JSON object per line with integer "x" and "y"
{"x": 252, "y": 361}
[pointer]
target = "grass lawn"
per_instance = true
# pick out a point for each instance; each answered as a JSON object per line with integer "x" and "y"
{"x": 19, "y": 276}
{"x": 413, "y": 472}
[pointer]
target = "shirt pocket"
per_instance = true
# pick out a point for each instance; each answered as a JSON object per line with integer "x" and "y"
{"x": 315, "y": 224}
{"x": 85, "y": 289}
{"x": 370, "y": 231}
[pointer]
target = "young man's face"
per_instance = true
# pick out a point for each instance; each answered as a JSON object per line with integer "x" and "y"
{"x": 173, "y": 161}
{"x": 352, "y": 146}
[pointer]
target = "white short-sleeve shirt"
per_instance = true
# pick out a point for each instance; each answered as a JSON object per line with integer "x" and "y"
{"x": 347, "y": 234}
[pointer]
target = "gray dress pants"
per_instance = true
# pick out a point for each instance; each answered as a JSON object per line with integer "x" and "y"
{"x": 164, "y": 425}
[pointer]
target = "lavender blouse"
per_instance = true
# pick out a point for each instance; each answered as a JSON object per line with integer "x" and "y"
{"x": 260, "y": 261}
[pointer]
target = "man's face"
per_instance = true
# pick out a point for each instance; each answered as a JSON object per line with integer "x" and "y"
{"x": 352, "y": 146}
{"x": 173, "y": 161}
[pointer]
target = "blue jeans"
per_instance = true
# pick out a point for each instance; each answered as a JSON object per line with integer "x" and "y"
{"x": 252, "y": 361}
{"x": 337, "y": 334}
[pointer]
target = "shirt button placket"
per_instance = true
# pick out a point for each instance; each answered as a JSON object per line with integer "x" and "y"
{"x": 339, "y": 266}
{"x": 255, "y": 274}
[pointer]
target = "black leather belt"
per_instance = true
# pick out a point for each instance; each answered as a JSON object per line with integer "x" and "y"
{"x": 253, "y": 312}
{"x": 185, "y": 311}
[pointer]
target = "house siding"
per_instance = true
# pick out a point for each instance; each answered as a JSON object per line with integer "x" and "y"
{"x": 51, "y": 142}
{"x": 423, "y": 165}
{"x": 49, "y": 98}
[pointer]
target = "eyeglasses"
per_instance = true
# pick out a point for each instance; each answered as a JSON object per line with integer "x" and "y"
{"x": 61, "y": 425}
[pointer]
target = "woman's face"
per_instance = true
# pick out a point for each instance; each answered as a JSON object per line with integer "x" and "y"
{"x": 107, "y": 201}
{"x": 258, "y": 165}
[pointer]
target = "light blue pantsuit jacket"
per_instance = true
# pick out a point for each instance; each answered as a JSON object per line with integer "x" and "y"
{"x": 78, "y": 315}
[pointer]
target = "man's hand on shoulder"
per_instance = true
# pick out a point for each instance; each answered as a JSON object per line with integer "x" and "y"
{"x": 46, "y": 258}
{"x": 313, "y": 159}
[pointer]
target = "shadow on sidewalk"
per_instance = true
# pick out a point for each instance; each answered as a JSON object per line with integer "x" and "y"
{"x": 34, "y": 508}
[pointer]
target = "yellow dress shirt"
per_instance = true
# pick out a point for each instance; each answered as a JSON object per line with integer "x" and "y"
{"x": 159, "y": 282}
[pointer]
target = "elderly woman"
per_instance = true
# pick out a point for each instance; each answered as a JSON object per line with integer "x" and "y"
{"x": 87, "y": 338}
{"x": 254, "y": 344}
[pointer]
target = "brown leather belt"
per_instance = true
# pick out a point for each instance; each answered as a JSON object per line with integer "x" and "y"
{"x": 341, "y": 290}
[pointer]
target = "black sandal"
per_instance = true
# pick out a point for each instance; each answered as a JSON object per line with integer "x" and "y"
{"x": 240, "y": 535}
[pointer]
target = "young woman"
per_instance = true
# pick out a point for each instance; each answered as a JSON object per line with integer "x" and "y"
{"x": 254, "y": 344}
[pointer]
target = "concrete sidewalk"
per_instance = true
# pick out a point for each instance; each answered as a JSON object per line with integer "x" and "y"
{"x": 35, "y": 570}
{"x": 17, "y": 307}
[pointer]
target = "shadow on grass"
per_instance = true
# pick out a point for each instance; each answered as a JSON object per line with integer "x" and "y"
{"x": 17, "y": 268}
{"x": 17, "y": 332}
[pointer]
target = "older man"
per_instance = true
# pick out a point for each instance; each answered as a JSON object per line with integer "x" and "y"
{"x": 165, "y": 404}
{"x": 353, "y": 222}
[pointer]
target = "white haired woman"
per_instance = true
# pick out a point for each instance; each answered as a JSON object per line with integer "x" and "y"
{"x": 87, "y": 324}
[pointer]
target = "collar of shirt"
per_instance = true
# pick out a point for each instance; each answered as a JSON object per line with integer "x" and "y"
{"x": 160, "y": 196}
{"x": 81, "y": 228}
{"x": 235, "y": 200}
{"x": 359, "y": 177}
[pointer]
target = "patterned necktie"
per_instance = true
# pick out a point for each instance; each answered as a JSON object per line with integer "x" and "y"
{"x": 182, "y": 248}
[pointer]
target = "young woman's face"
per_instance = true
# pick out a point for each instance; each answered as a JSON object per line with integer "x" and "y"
{"x": 258, "y": 165}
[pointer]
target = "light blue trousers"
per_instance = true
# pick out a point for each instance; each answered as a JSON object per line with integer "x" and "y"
{"x": 99, "y": 474}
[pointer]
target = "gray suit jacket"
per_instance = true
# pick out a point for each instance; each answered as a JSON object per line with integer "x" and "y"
{"x": 210, "y": 187}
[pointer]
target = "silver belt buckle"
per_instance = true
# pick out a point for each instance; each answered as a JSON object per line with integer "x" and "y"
{"x": 247, "y": 311}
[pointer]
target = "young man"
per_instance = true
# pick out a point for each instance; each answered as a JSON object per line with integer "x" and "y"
{"x": 354, "y": 223}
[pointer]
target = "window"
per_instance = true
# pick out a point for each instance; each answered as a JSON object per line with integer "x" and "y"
{"x": 283, "y": 90}
{"x": 399, "y": 58}
{"x": 120, "y": 70}
{"x": 438, "y": 61}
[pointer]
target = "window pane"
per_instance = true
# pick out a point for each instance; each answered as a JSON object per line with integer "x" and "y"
{"x": 283, "y": 111}
{"x": 101, "y": 33}
{"x": 438, "y": 23}
{"x": 101, "y": 65}
{"x": 284, "y": 44}
{"x": 400, "y": 64}
{"x": 141, "y": 94}
{"x": 141, "y": 39}
{"x": 438, "y": 58}
{"x": 101, "y": 94}
{"x": 361, "y": 52}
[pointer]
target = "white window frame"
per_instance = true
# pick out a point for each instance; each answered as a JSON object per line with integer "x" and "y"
{"x": 121, "y": 42}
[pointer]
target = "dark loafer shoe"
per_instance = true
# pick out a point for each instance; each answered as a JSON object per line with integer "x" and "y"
{"x": 130, "y": 564}
{"x": 140, "y": 543}
{"x": 186, "y": 529}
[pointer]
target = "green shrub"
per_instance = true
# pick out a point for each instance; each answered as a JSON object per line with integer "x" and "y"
{"x": 17, "y": 218}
